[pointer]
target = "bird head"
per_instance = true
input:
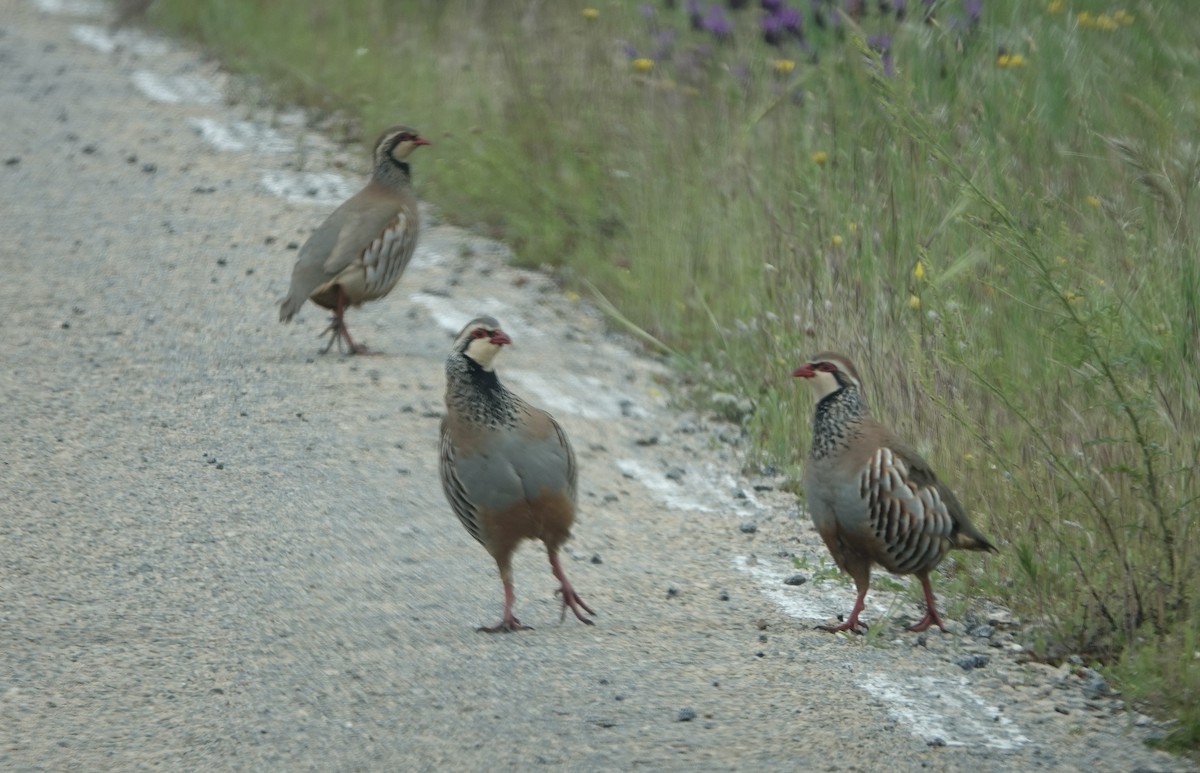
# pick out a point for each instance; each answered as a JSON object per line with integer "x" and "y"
{"x": 481, "y": 340}
{"x": 396, "y": 143}
{"x": 830, "y": 372}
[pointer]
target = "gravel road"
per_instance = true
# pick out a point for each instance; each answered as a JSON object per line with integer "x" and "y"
{"x": 222, "y": 551}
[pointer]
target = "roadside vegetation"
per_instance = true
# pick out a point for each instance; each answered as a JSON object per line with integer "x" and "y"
{"x": 990, "y": 206}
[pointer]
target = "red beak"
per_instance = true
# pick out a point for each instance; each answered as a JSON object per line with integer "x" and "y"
{"x": 421, "y": 141}
{"x": 500, "y": 338}
{"x": 804, "y": 371}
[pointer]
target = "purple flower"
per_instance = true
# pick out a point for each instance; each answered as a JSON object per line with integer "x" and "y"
{"x": 629, "y": 50}
{"x": 883, "y": 45}
{"x": 717, "y": 23}
{"x": 791, "y": 20}
{"x": 772, "y": 30}
{"x": 974, "y": 9}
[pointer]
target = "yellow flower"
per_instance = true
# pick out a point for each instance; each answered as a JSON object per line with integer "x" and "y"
{"x": 1094, "y": 202}
{"x": 1072, "y": 297}
{"x": 852, "y": 227}
{"x": 571, "y": 296}
{"x": 1123, "y": 17}
{"x": 1055, "y": 6}
{"x": 1060, "y": 260}
{"x": 1084, "y": 19}
{"x": 968, "y": 457}
{"x": 642, "y": 64}
{"x": 783, "y": 66}
{"x": 1106, "y": 23}
{"x": 820, "y": 157}
{"x": 914, "y": 302}
{"x": 919, "y": 271}
{"x": 836, "y": 240}
{"x": 591, "y": 13}
{"x": 1010, "y": 60}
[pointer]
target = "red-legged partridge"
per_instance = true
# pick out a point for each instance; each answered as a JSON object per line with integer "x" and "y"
{"x": 360, "y": 251}
{"x": 873, "y": 499}
{"x": 507, "y": 467}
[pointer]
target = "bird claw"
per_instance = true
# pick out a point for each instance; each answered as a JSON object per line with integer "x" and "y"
{"x": 928, "y": 620}
{"x": 338, "y": 333}
{"x": 571, "y": 599}
{"x": 505, "y": 626}
{"x": 853, "y": 625}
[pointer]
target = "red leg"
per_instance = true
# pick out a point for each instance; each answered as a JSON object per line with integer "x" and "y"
{"x": 338, "y": 331}
{"x": 931, "y": 614}
{"x": 852, "y": 624}
{"x": 509, "y": 623}
{"x": 569, "y": 597}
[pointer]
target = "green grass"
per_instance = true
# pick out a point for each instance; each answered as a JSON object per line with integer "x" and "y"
{"x": 1008, "y": 253}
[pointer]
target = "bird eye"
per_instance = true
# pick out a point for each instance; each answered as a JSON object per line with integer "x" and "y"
{"x": 479, "y": 333}
{"x": 827, "y": 367}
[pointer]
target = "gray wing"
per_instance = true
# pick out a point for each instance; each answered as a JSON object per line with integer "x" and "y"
{"x": 340, "y": 241}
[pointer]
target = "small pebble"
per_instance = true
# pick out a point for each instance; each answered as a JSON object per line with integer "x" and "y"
{"x": 676, "y": 473}
{"x": 968, "y": 662}
{"x": 796, "y": 579}
{"x": 685, "y": 715}
{"x": 596, "y": 559}
{"x": 749, "y": 527}
{"x": 672, "y": 592}
{"x": 1062, "y": 709}
{"x": 724, "y": 595}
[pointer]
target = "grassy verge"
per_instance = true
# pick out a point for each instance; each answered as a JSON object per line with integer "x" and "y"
{"x": 993, "y": 214}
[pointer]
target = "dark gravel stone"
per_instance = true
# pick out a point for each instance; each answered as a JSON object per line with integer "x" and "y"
{"x": 968, "y": 662}
{"x": 685, "y": 715}
{"x": 796, "y": 579}
{"x": 749, "y": 527}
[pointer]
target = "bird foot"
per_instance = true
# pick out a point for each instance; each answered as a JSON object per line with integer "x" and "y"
{"x": 571, "y": 599}
{"x": 507, "y": 625}
{"x": 931, "y": 618}
{"x": 853, "y": 625}
{"x": 338, "y": 334}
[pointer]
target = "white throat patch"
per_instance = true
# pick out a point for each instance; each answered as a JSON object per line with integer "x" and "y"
{"x": 483, "y": 352}
{"x": 823, "y": 384}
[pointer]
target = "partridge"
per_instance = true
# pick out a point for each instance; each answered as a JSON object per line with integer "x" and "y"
{"x": 507, "y": 467}
{"x": 872, "y": 498}
{"x": 360, "y": 251}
